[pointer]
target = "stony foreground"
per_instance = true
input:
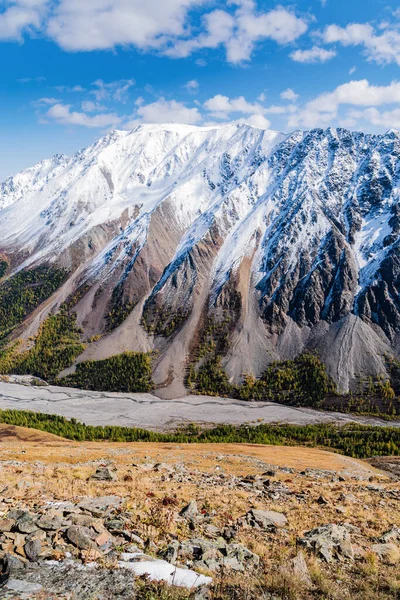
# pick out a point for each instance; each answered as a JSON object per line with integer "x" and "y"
{"x": 159, "y": 521}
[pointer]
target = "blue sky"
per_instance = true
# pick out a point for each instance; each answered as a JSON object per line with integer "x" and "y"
{"x": 73, "y": 69}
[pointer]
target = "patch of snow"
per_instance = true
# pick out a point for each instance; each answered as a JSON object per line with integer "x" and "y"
{"x": 161, "y": 570}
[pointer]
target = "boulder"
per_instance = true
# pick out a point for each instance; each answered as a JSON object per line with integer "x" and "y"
{"x": 80, "y": 537}
{"x": 239, "y": 558}
{"x": 103, "y": 474}
{"x": 329, "y": 542}
{"x": 210, "y": 555}
{"x": 190, "y": 510}
{"x": 32, "y": 550}
{"x": 49, "y": 523}
{"x": 266, "y": 519}
{"x": 101, "y": 506}
{"x": 299, "y": 568}
{"x": 389, "y": 553}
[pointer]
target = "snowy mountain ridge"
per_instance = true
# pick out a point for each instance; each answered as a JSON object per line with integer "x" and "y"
{"x": 298, "y": 232}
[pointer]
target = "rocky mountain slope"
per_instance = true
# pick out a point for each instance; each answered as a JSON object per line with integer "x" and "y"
{"x": 278, "y": 242}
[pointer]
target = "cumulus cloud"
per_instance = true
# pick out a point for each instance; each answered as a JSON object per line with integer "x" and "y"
{"x": 289, "y": 94}
{"x": 192, "y": 86}
{"x": 214, "y": 110}
{"x": 167, "y": 111}
{"x": 102, "y": 24}
{"x": 387, "y": 119}
{"x": 89, "y": 106}
{"x": 62, "y": 114}
{"x": 324, "y": 108}
{"x": 381, "y": 48}
{"x": 22, "y": 16}
{"x": 224, "y": 108}
{"x": 314, "y": 55}
{"x": 160, "y": 25}
{"x": 257, "y": 121}
{"x": 240, "y": 31}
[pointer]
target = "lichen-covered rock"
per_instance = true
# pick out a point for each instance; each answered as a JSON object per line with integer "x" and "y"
{"x": 266, "y": 519}
{"x": 329, "y": 542}
{"x": 80, "y": 537}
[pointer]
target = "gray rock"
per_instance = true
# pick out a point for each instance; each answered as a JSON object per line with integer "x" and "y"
{"x": 211, "y": 555}
{"x": 26, "y": 526}
{"x": 329, "y": 542}
{"x": 190, "y": 510}
{"x": 80, "y": 537}
{"x": 115, "y": 525}
{"x": 239, "y": 558}
{"x": 202, "y": 593}
{"x": 389, "y": 553}
{"x": 49, "y": 523}
{"x": 33, "y": 549}
{"x": 347, "y": 498}
{"x": 100, "y": 506}
{"x": 266, "y": 519}
{"x": 11, "y": 564}
{"x": 84, "y": 520}
{"x": 103, "y": 474}
{"x": 299, "y": 568}
{"x": 16, "y": 514}
{"x": 23, "y": 587}
{"x": 393, "y": 535}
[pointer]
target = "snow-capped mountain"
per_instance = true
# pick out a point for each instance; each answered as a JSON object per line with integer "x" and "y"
{"x": 292, "y": 238}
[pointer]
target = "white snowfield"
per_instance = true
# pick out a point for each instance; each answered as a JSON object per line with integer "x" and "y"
{"x": 224, "y": 173}
{"x": 149, "y": 412}
{"x": 63, "y": 198}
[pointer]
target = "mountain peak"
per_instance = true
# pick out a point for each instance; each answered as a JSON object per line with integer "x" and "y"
{"x": 280, "y": 240}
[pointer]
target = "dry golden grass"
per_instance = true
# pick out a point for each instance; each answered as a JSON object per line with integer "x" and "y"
{"x": 38, "y": 467}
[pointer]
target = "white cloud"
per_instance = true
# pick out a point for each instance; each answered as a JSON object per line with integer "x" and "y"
{"x": 62, "y": 114}
{"x": 389, "y": 119}
{"x": 352, "y": 70}
{"x": 21, "y": 16}
{"x": 101, "y": 24}
{"x": 257, "y": 121}
{"x": 167, "y": 111}
{"x": 382, "y": 48}
{"x": 323, "y": 109}
{"x": 192, "y": 86}
{"x": 241, "y": 31}
{"x": 161, "y": 25}
{"x": 89, "y": 106}
{"x": 276, "y": 110}
{"x": 69, "y": 89}
{"x": 46, "y": 101}
{"x": 223, "y": 108}
{"x": 314, "y": 55}
{"x": 114, "y": 90}
{"x": 289, "y": 94}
